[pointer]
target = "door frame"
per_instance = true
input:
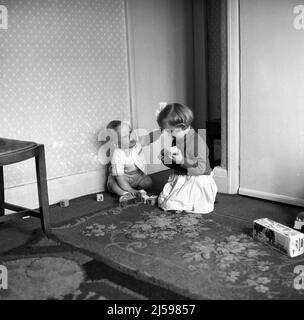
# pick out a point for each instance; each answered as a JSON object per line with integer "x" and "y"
{"x": 228, "y": 177}
{"x": 234, "y": 96}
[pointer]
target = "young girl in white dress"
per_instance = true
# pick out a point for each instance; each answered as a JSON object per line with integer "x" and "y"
{"x": 191, "y": 187}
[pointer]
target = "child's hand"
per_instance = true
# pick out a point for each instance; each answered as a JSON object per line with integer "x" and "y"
{"x": 177, "y": 156}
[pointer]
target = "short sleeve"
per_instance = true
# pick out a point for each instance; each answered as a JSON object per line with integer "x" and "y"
{"x": 118, "y": 163}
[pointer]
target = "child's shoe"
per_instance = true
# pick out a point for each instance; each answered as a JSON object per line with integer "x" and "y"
{"x": 127, "y": 199}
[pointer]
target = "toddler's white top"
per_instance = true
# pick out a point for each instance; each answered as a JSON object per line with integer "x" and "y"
{"x": 126, "y": 161}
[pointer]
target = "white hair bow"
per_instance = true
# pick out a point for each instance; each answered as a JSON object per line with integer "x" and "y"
{"x": 161, "y": 107}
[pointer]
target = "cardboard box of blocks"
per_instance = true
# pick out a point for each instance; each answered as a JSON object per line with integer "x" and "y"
{"x": 278, "y": 236}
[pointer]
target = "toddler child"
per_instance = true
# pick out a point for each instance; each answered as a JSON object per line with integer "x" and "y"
{"x": 128, "y": 172}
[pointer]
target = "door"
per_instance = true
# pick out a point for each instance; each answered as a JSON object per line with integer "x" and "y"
{"x": 272, "y": 102}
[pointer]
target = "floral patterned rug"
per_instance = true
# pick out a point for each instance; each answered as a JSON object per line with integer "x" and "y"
{"x": 200, "y": 257}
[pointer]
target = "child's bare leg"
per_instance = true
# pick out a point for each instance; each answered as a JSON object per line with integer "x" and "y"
{"x": 113, "y": 187}
{"x": 145, "y": 183}
{"x": 124, "y": 196}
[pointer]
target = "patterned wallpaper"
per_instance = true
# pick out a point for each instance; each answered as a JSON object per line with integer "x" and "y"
{"x": 63, "y": 76}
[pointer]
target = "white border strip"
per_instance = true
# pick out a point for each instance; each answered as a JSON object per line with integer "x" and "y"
{"x": 272, "y": 197}
{"x": 75, "y": 186}
{"x": 70, "y": 187}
